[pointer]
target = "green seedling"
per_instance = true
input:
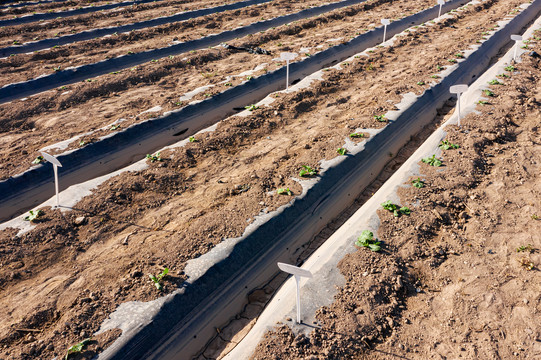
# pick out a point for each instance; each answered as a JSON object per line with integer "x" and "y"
{"x": 524, "y": 47}
{"x": 342, "y": 151}
{"x": 171, "y": 57}
{"x": 154, "y": 158}
{"x": 77, "y": 348}
{"x": 535, "y": 217}
{"x": 114, "y": 127}
{"x": 510, "y": 68}
{"x": 380, "y": 118}
{"x": 153, "y": 61}
{"x": 503, "y": 76}
{"x": 434, "y": 76}
{"x": 307, "y": 171}
{"x": 494, "y": 82}
{"x": 528, "y": 248}
{"x": 56, "y": 68}
{"x": 249, "y": 77}
{"x": 16, "y": 42}
{"x": 526, "y": 263}
{"x": 356, "y": 135}
{"x": 388, "y": 205}
{"x": 439, "y": 68}
{"x": 459, "y": 55}
{"x": 432, "y": 161}
{"x": 251, "y": 107}
{"x": 33, "y": 215}
{"x": 156, "y": 279}
{"x": 82, "y": 143}
{"x": 446, "y": 145}
{"x": 418, "y": 183}
{"x": 483, "y": 102}
{"x": 38, "y": 160}
{"x": 367, "y": 240}
{"x": 228, "y": 84}
{"x": 192, "y": 139}
{"x": 488, "y": 92}
{"x": 452, "y": 60}
{"x": 130, "y": 52}
{"x": 420, "y": 82}
{"x": 284, "y": 191}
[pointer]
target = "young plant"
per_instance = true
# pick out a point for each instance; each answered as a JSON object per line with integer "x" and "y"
{"x": 342, "y": 151}
{"x": 114, "y": 127}
{"x": 528, "y": 248}
{"x": 535, "y": 217}
{"x": 156, "y": 279}
{"x": 380, "y": 118}
{"x": 284, "y": 191}
{"x": 483, "y": 102}
{"x": 510, "y": 68}
{"x": 420, "y": 82}
{"x": 459, "y": 55}
{"x": 251, "y": 107}
{"x": 367, "y": 240}
{"x": 446, "y": 145}
{"x": 33, "y": 215}
{"x": 494, "y": 82}
{"x": 356, "y": 135}
{"x": 526, "y": 263}
{"x": 154, "y": 158}
{"x": 192, "y": 139}
{"x": 77, "y": 348}
{"x": 452, "y": 60}
{"x": 432, "y": 161}
{"x": 488, "y": 93}
{"x": 418, "y": 183}
{"x": 307, "y": 171}
{"x": 38, "y": 160}
{"x": 388, "y": 205}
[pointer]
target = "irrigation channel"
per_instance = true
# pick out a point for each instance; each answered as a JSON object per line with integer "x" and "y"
{"x": 225, "y": 279}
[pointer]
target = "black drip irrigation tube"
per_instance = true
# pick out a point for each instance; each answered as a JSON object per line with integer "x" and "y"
{"x": 81, "y": 73}
{"x": 17, "y": 4}
{"x": 62, "y": 14}
{"x": 26, "y": 190}
{"x": 92, "y": 34}
{"x": 188, "y": 319}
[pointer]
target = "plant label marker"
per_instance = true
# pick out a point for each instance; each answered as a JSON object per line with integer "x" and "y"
{"x": 440, "y": 2}
{"x": 516, "y": 39}
{"x": 53, "y": 160}
{"x": 458, "y": 89}
{"x": 287, "y": 56}
{"x": 385, "y": 22}
{"x": 297, "y": 272}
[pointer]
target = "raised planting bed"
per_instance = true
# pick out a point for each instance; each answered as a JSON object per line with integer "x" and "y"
{"x": 190, "y": 118}
{"x": 206, "y": 190}
{"x": 455, "y": 277}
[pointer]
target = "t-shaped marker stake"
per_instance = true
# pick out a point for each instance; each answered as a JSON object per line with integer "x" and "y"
{"x": 458, "y": 89}
{"x": 298, "y": 272}
{"x": 385, "y": 22}
{"x": 440, "y": 2}
{"x": 516, "y": 39}
{"x": 56, "y": 164}
{"x": 287, "y": 57}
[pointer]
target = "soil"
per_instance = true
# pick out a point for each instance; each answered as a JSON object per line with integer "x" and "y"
{"x": 73, "y": 269}
{"x": 459, "y": 277}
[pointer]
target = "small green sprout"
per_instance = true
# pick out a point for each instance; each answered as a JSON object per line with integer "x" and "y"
{"x": 488, "y": 92}
{"x": 528, "y": 248}
{"x": 82, "y": 143}
{"x": 380, "y": 118}
{"x": 251, "y": 107}
{"x": 483, "y": 102}
{"x": 77, "y": 348}
{"x": 171, "y": 57}
{"x": 420, "y": 82}
{"x": 452, "y": 60}
{"x": 33, "y": 215}
{"x": 58, "y": 68}
{"x": 510, "y": 68}
{"x": 418, "y": 183}
{"x": 114, "y": 127}
{"x": 228, "y": 84}
{"x": 192, "y": 139}
{"x": 16, "y": 42}
{"x": 342, "y": 151}
{"x": 307, "y": 171}
{"x": 367, "y": 240}
{"x": 459, "y": 55}
{"x": 156, "y": 279}
{"x": 446, "y": 145}
{"x": 249, "y": 77}
{"x": 153, "y": 61}
{"x": 284, "y": 191}
{"x": 494, "y": 82}
{"x": 154, "y": 158}
{"x": 439, "y": 68}
{"x": 388, "y": 205}
{"x": 535, "y": 217}
{"x": 503, "y": 76}
{"x": 432, "y": 161}
{"x": 38, "y": 160}
{"x": 434, "y": 76}
{"x": 356, "y": 135}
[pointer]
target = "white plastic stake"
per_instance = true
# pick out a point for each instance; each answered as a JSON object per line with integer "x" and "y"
{"x": 458, "y": 89}
{"x": 440, "y": 2}
{"x": 516, "y": 39}
{"x": 56, "y": 164}
{"x": 297, "y": 272}
{"x": 385, "y": 22}
{"x": 287, "y": 57}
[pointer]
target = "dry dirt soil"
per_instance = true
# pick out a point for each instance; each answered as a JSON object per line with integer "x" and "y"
{"x": 59, "y": 281}
{"x": 460, "y": 276}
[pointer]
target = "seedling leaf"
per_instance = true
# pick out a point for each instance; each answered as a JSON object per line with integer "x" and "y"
{"x": 356, "y": 135}
{"x": 418, "y": 183}
{"x": 77, "y": 348}
{"x": 446, "y": 145}
{"x": 367, "y": 240}
{"x": 157, "y": 279}
{"x": 432, "y": 161}
{"x": 284, "y": 191}
{"x": 307, "y": 171}
{"x": 33, "y": 215}
{"x": 342, "y": 151}
{"x": 38, "y": 160}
